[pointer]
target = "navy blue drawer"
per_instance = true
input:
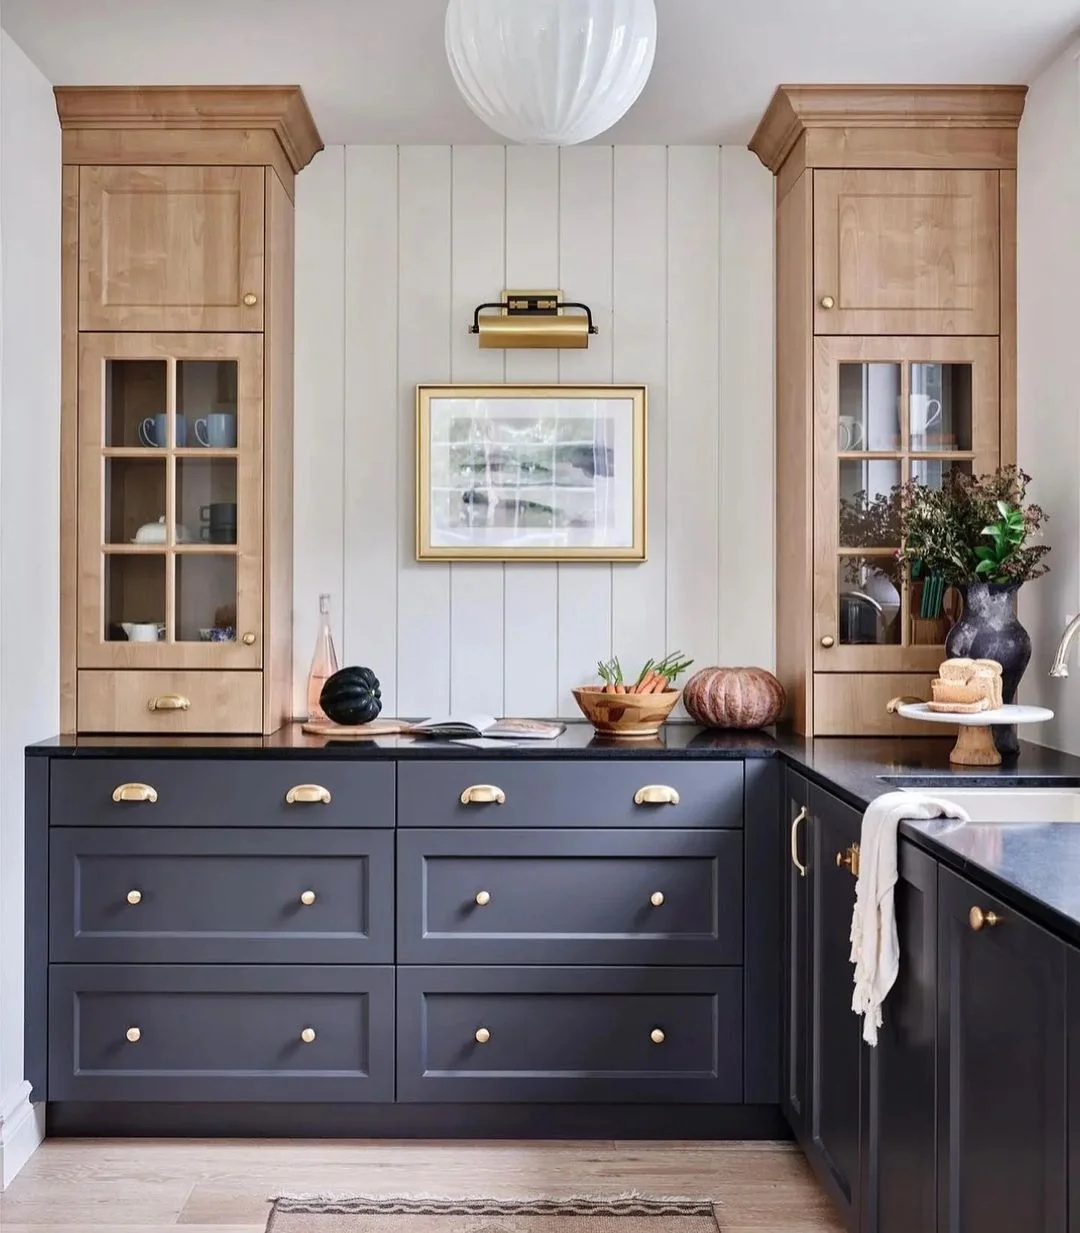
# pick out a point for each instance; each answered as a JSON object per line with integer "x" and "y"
{"x": 570, "y": 896}
{"x": 570, "y": 1034}
{"x": 220, "y": 896}
{"x": 221, "y": 1033}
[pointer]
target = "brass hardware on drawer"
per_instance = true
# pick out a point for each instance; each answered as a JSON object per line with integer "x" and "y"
{"x": 248, "y": 639}
{"x": 801, "y": 816}
{"x": 827, "y": 302}
{"x": 483, "y": 794}
{"x": 135, "y": 792}
{"x": 482, "y": 1036}
{"x": 133, "y": 1035}
{"x": 307, "y": 898}
{"x": 308, "y": 1036}
{"x": 307, "y": 794}
{"x": 828, "y": 642}
{"x": 849, "y": 860}
{"x": 251, "y": 299}
{"x": 656, "y": 794}
{"x": 483, "y": 898}
{"x": 657, "y": 1036}
{"x": 134, "y": 897}
{"x": 979, "y": 919}
{"x": 169, "y": 702}
{"x": 657, "y": 899}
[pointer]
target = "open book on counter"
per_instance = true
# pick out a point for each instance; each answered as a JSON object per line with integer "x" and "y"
{"x": 464, "y": 727}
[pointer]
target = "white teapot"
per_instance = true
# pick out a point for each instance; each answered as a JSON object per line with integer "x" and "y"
{"x": 154, "y": 533}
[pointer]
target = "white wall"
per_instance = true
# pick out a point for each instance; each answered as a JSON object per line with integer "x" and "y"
{"x": 672, "y": 248}
{"x": 29, "y": 520}
{"x": 1048, "y": 185}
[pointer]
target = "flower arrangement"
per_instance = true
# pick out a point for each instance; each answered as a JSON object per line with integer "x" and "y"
{"x": 973, "y": 528}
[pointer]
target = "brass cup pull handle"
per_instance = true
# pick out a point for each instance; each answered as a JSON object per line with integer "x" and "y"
{"x": 251, "y": 299}
{"x": 135, "y": 792}
{"x": 133, "y": 1035}
{"x": 849, "y": 860}
{"x": 827, "y": 302}
{"x": 307, "y": 898}
{"x": 978, "y": 919}
{"x": 657, "y": 899}
{"x": 483, "y": 898}
{"x": 801, "y": 816}
{"x": 483, "y": 794}
{"x": 307, "y": 794}
{"x": 894, "y": 704}
{"x": 657, "y": 1036}
{"x": 482, "y": 1036}
{"x": 134, "y": 897}
{"x": 308, "y": 1036}
{"x": 169, "y": 702}
{"x": 656, "y": 794}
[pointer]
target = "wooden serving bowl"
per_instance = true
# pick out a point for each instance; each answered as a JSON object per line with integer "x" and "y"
{"x": 626, "y": 716}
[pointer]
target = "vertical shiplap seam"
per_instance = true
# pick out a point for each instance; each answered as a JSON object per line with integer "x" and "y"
{"x": 344, "y": 383}
{"x": 558, "y": 378}
{"x": 397, "y": 435}
{"x": 611, "y": 294}
{"x": 450, "y": 369}
{"x": 506, "y": 241}
{"x": 721, "y": 278}
{"x": 667, "y": 399}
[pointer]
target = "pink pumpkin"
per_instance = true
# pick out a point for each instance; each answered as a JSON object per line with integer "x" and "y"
{"x": 734, "y": 698}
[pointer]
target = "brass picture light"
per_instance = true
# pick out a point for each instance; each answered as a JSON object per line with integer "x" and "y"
{"x": 533, "y": 319}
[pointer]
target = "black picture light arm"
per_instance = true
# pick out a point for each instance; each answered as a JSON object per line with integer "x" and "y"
{"x": 502, "y": 307}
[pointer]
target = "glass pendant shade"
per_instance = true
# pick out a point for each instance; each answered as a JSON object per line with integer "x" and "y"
{"x": 551, "y": 72}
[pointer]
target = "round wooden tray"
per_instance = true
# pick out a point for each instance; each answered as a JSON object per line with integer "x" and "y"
{"x": 357, "y": 732}
{"x": 974, "y": 741}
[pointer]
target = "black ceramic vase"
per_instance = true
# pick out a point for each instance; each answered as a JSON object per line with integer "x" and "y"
{"x": 989, "y": 629}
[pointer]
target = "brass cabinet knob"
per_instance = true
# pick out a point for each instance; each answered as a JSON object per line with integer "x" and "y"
{"x": 483, "y": 898}
{"x": 135, "y": 792}
{"x": 169, "y": 702}
{"x": 307, "y": 898}
{"x": 134, "y": 897}
{"x": 251, "y": 299}
{"x": 657, "y": 899}
{"x": 657, "y": 1036}
{"x": 482, "y": 1036}
{"x": 849, "y": 860}
{"x": 307, "y": 794}
{"x": 656, "y": 794}
{"x": 827, "y": 302}
{"x": 133, "y": 1035}
{"x": 828, "y": 641}
{"x": 483, "y": 794}
{"x": 248, "y": 639}
{"x": 978, "y": 919}
{"x": 801, "y": 816}
{"x": 308, "y": 1036}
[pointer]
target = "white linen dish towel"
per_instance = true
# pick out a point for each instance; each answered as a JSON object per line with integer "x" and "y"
{"x": 875, "y": 946}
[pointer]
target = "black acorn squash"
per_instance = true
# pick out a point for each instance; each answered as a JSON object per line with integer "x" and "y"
{"x": 351, "y": 696}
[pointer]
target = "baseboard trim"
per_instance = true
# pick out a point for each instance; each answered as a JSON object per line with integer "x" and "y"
{"x": 22, "y": 1128}
{"x": 416, "y": 1121}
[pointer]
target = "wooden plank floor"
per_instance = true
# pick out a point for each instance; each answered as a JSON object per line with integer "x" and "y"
{"x": 222, "y": 1186}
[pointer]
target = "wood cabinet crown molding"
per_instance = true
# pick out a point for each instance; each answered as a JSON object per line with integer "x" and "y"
{"x": 794, "y": 110}
{"x": 281, "y": 110}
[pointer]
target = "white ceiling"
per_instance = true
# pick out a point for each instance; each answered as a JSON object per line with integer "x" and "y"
{"x": 375, "y": 70}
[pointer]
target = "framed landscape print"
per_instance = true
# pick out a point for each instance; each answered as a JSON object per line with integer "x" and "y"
{"x": 530, "y": 472}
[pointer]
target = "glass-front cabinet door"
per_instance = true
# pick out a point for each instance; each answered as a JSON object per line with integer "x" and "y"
{"x": 170, "y": 501}
{"x": 888, "y": 410}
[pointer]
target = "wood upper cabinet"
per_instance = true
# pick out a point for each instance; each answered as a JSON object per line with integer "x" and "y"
{"x": 171, "y": 248}
{"x": 906, "y": 252}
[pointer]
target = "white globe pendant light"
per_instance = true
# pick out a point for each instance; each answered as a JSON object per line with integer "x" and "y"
{"x": 552, "y": 72}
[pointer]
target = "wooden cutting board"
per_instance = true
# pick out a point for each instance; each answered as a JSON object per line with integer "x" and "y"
{"x": 345, "y": 732}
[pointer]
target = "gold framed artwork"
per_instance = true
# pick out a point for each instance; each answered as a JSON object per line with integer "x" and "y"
{"x": 530, "y": 472}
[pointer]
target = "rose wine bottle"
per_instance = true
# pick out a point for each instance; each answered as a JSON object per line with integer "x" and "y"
{"x": 324, "y": 662}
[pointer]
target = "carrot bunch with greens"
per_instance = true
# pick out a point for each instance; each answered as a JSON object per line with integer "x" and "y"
{"x": 654, "y": 677}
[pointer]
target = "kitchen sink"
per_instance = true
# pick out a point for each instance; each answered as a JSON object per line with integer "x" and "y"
{"x": 1012, "y": 805}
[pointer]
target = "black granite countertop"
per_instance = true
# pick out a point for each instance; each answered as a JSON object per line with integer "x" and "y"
{"x": 1034, "y": 868}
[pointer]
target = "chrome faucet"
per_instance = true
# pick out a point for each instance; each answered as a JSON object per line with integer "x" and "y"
{"x": 1059, "y": 666}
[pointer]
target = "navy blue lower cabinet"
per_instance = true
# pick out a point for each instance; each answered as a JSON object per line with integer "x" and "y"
{"x": 195, "y": 895}
{"x": 796, "y": 961}
{"x": 570, "y": 896}
{"x": 569, "y": 1034}
{"x": 161, "y": 1033}
{"x": 1001, "y": 1067}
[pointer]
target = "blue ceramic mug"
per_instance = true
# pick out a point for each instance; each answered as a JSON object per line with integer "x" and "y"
{"x": 154, "y": 431}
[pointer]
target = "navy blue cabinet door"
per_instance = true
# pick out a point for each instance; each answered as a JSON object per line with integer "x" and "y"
{"x": 796, "y": 956}
{"x": 836, "y": 1032}
{"x": 899, "y": 1100}
{"x": 1001, "y": 1067}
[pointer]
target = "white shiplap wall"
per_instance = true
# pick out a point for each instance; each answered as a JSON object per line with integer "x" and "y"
{"x": 673, "y": 250}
